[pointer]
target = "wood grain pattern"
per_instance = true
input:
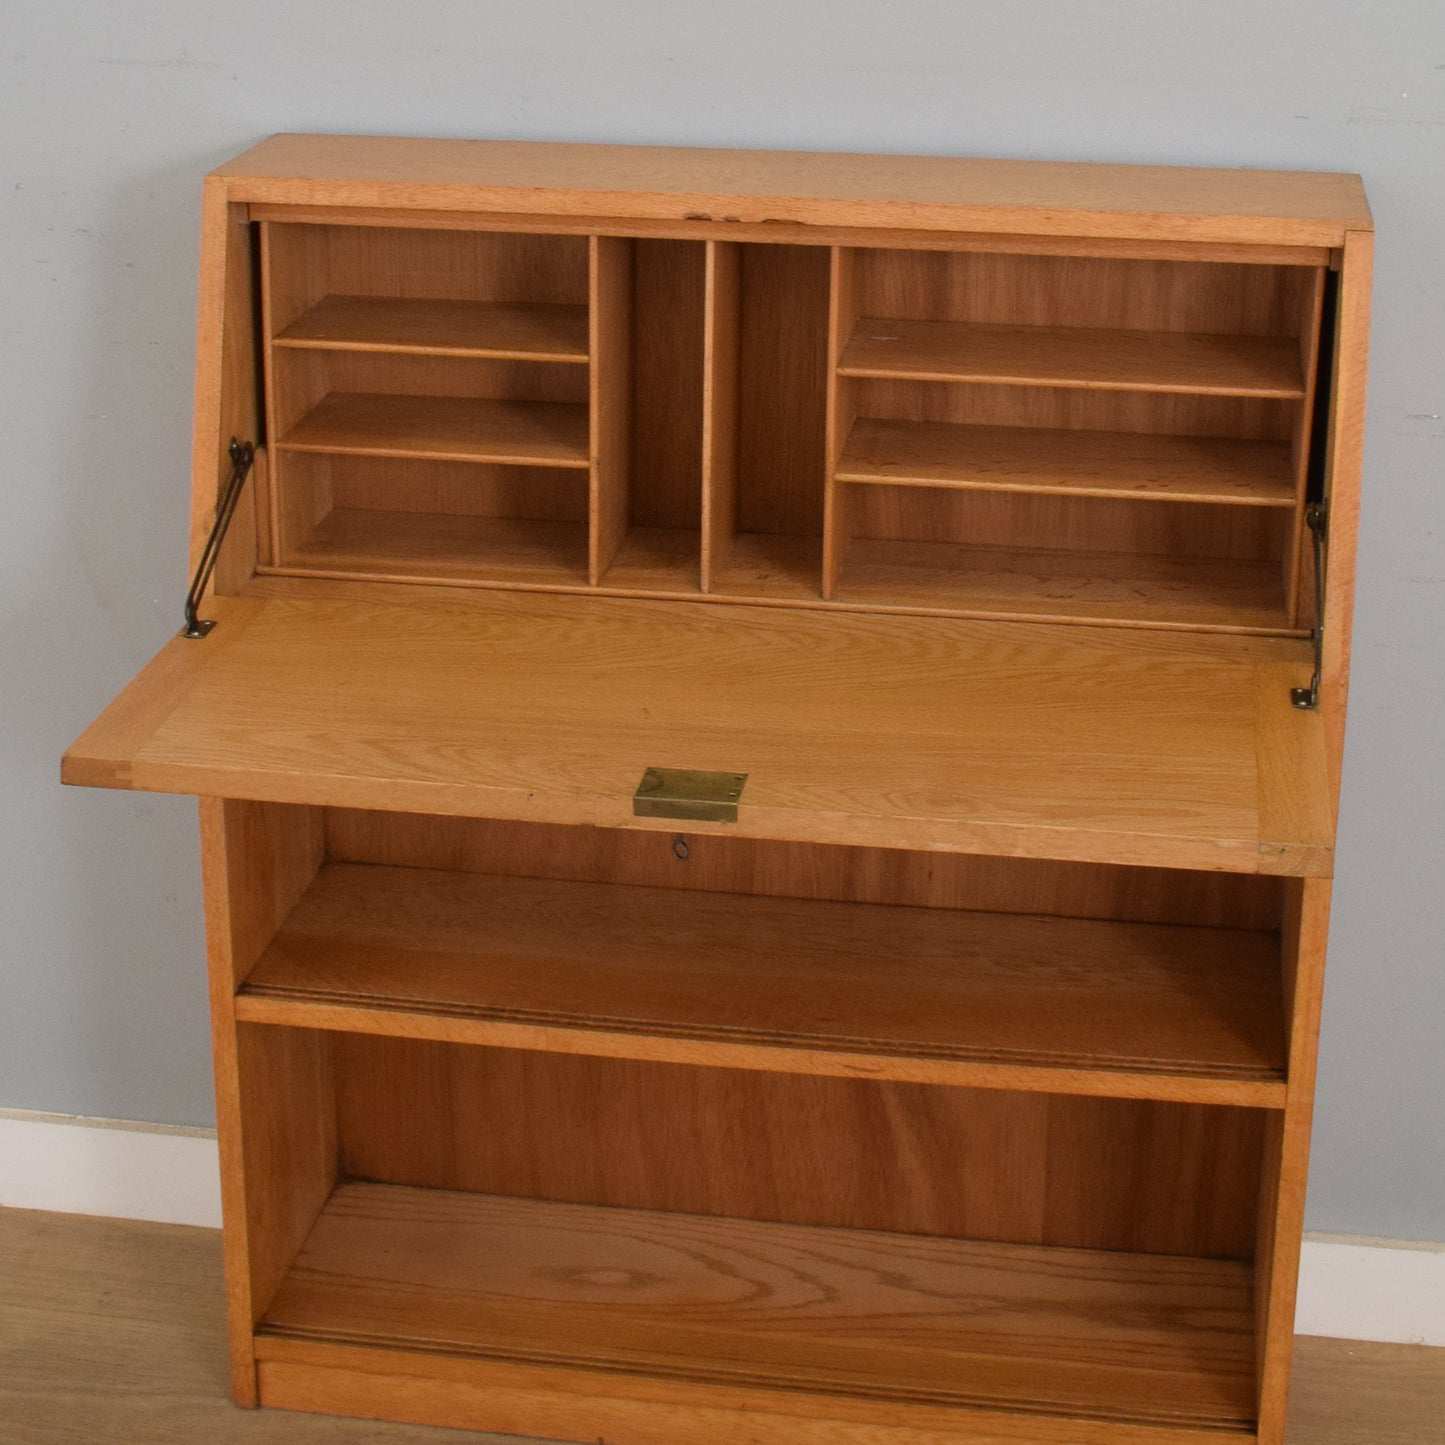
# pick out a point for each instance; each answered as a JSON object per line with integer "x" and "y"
{"x": 814, "y": 188}
{"x": 377, "y": 1383}
{"x": 880, "y": 987}
{"x": 1345, "y": 463}
{"x": 719, "y": 863}
{"x": 668, "y": 337}
{"x": 1145, "y": 1339}
{"x": 313, "y": 260}
{"x": 444, "y": 428}
{"x": 1064, "y": 293}
{"x": 533, "y": 331}
{"x": 609, "y": 399}
{"x": 1071, "y": 463}
{"x": 427, "y": 547}
{"x": 320, "y": 700}
{"x": 277, "y": 1152}
{"x": 782, "y": 389}
{"x": 1051, "y": 585}
{"x": 721, "y": 382}
{"x": 659, "y": 561}
{"x": 1306, "y": 937}
{"x": 793, "y": 234}
{"x": 109, "y": 1333}
{"x": 855, "y": 1153}
{"x": 1073, "y": 357}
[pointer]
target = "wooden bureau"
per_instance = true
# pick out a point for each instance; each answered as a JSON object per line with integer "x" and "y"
{"x": 768, "y": 753}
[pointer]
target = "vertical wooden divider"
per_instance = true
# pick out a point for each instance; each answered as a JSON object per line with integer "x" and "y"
{"x": 609, "y": 397}
{"x": 275, "y": 1107}
{"x": 722, "y": 319}
{"x": 1299, "y": 544}
{"x": 842, "y": 316}
{"x": 1303, "y": 940}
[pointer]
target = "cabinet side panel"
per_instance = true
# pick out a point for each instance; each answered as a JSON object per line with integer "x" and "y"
{"x": 1307, "y": 916}
{"x": 288, "y": 1146}
{"x": 1345, "y": 460}
{"x": 227, "y": 385}
{"x": 274, "y": 1110}
{"x": 804, "y": 870}
{"x": 978, "y": 1164}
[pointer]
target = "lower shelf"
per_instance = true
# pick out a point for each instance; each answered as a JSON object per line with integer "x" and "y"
{"x": 928, "y": 995}
{"x": 1090, "y": 1335}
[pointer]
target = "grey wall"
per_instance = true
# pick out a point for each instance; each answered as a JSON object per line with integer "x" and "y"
{"x": 110, "y": 114}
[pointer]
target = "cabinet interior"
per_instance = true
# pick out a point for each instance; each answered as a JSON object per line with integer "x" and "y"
{"x": 981, "y": 433}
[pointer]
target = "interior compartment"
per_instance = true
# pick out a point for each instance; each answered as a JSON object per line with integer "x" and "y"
{"x": 768, "y": 388}
{"x": 661, "y": 549}
{"x": 1090, "y": 559}
{"x": 428, "y": 403}
{"x": 1063, "y": 387}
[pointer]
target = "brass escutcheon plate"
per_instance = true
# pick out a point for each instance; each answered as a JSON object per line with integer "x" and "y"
{"x": 687, "y": 793}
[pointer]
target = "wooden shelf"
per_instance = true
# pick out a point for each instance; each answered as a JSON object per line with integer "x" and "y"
{"x": 1259, "y": 366}
{"x": 535, "y": 332}
{"x": 1131, "y": 465}
{"x": 430, "y": 547}
{"x": 1085, "y": 1333}
{"x": 1131, "y": 589}
{"x": 739, "y": 981}
{"x": 445, "y": 428}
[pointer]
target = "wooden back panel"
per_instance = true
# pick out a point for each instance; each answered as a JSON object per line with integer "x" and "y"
{"x": 305, "y": 263}
{"x": 805, "y": 870}
{"x": 975, "y": 1164}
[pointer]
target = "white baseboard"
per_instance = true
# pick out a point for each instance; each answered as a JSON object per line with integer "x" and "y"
{"x": 1372, "y": 1289}
{"x": 104, "y": 1166}
{"x": 1355, "y": 1289}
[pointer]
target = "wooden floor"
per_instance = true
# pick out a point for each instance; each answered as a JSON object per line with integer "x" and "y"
{"x": 110, "y": 1334}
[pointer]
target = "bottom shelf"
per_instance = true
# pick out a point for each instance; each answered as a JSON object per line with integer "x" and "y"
{"x": 1050, "y": 584}
{"x": 1128, "y": 1338}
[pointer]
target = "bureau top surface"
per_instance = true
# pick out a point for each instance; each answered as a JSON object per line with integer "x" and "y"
{"x": 1020, "y": 739}
{"x": 803, "y": 188}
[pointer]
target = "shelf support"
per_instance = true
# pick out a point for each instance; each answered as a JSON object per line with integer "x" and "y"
{"x": 242, "y": 455}
{"x": 1317, "y": 519}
